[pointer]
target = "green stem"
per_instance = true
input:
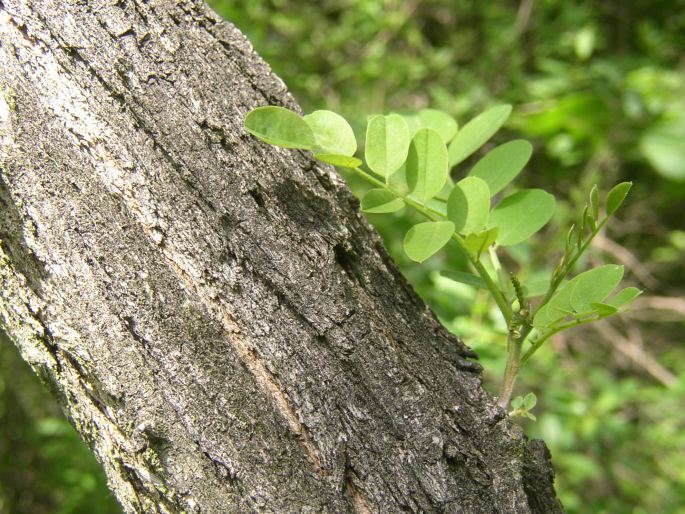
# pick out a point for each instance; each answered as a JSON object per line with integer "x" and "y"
{"x": 370, "y": 178}
{"x": 560, "y": 328}
{"x": 511, "y": 370}
{"x": 569, "y": 265}
{"x": 497, "y": 295}
{"x": 550, "y": 292}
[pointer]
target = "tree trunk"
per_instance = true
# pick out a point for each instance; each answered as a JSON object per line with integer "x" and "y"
{"x": 221, "y": 324}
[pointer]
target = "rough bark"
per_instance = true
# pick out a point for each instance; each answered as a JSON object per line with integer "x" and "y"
{"x": 220, "y": 323}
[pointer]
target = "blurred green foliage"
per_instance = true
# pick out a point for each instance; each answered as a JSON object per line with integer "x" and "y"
{"x": 599, "y": 87}
{"x": 44, "y": 467}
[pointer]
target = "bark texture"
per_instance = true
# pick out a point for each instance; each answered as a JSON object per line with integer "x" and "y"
{"x": 221, "y": 324}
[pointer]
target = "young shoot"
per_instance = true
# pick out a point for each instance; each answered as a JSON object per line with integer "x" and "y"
{"x": 427, "y": 145}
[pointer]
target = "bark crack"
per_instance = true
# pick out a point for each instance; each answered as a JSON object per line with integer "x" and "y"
{"x": 254, "y": 362}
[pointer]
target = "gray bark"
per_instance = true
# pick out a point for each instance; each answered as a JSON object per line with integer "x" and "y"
{"x": 222, "y": 326}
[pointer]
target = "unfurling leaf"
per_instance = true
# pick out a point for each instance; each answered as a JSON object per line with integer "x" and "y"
{"x": 425, "y": 239}
{"x": 426, "y": 167}
{"x": 501, "y": 165}
{"x": 476, "y": 132}
{"x": 616, "y": 196}
{"x": 594, "y": 202}
{"x": 468, "y": 205}
{"x": 529, "y": 401}
{"x": 477, "y": 243}
{"x": 379, "y": 201}
{"x": 589, "y": 221}
{"x": 521, "y": 215}
{"x": 332, "y": 133}
{"x": 387, "y": 143}
{"x": 280, "y": 127}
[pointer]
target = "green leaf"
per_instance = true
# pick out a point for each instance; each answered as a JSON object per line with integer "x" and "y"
{"x": 440, "y": 121}
{"x": 521, "y": 215}
{"x": 413, "y": 121}
{"x": 588, "y": 222}
{"x": 529, "y": 401}
{"x": 387, "y": 144}
{"x": 379, "y": 201}
{"x": 279, "y": 126}
{"x": 594, "y": 285}
{"x": 501, "y": 165}
{"x": 468, "y": 205}
{"x": 624, "y": 297}
{"x": 398, "y": 181}
{"x": 437, "y": 206}
{"x": 594, "y": 202}
{"x": 616, "y": 196}
{"x": 603, "y": 309}
{"x": 332, "y": 133}
{"x": 530, "y": 416}
{"x": 426, "y": 164}
{"x": 339, "y": 160}
{"x": 558, "y": 308}
{"x": 577, "y": 295}
{"x": 476, "y": 132}
{"x": 477, "y": 243}
{"x": 573, "y": 234}
{"x": 517, "y": 402}
{"x": 424, "y": 239}
{"x": 465, "y": 278}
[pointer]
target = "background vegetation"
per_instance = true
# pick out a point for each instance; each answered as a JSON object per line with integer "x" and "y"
{"x": 599, "y": 88}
